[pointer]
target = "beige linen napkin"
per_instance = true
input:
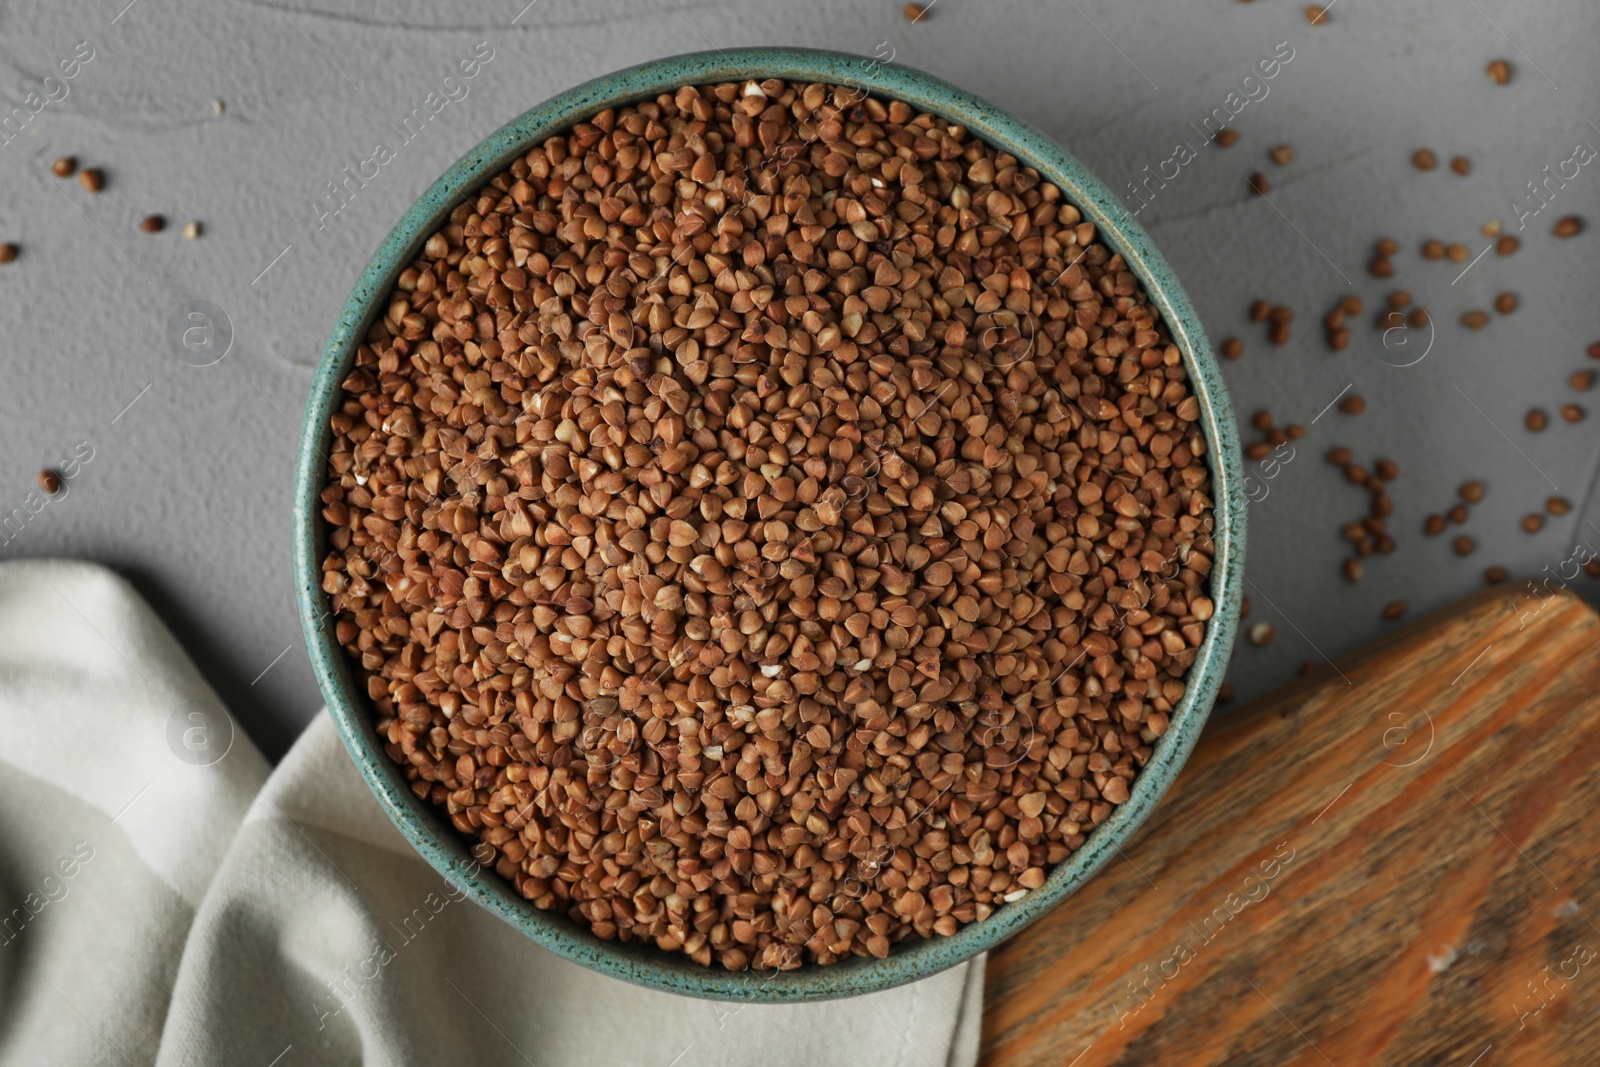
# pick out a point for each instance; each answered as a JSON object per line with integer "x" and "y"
{"x": 165, "y": 897}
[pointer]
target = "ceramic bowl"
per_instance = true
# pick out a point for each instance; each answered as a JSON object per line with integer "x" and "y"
{"x": 430, "y": 831}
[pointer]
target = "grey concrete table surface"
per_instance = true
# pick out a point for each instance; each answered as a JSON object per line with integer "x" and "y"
{"x": 187, "y": 488}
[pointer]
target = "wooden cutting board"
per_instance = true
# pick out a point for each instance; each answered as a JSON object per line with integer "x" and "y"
{"x": 1395, "y": 861}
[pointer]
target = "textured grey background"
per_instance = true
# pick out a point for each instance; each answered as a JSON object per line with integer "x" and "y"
{"x": 188, "y": 490}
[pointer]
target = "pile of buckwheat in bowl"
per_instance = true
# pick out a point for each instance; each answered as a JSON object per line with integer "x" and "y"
{"x": 769, "y": 524}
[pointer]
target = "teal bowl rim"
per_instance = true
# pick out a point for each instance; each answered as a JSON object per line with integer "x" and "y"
{"x": 432, "y": 835}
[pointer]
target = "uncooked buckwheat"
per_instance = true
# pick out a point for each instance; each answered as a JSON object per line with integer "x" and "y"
{"x": 770, "y": 524}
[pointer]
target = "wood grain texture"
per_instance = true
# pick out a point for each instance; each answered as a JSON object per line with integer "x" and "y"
{"x": 1391, "y": 863}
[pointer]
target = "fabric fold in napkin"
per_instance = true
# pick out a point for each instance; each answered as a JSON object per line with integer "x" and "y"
{"x": 167, "y": 898}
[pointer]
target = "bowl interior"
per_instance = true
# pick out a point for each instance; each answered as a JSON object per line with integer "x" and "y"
{"x": 431, "y": 833}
